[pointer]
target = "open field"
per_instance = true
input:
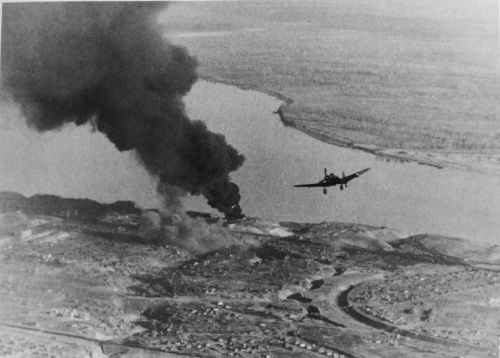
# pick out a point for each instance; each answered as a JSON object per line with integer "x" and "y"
{"x": 420, "y": 82}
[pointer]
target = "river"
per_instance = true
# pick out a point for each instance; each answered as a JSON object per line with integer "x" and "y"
{"x": 408, "y": 197}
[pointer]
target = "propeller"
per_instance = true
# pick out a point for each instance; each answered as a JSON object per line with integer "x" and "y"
{"x": 326, "y": 173}
{"x": 341, "y": 187}
{"x": 345, "y": 184}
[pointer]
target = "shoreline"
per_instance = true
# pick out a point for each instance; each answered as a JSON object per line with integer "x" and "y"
{"x": 247, "y": 87}
{"x": 437, "y": 160}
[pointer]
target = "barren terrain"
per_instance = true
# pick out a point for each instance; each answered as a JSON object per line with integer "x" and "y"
{"x": 102, "y": 286}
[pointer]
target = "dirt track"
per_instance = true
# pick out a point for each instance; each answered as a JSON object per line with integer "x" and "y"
{"x": 92, "y": 294}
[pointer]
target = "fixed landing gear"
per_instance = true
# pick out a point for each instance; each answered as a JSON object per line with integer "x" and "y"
{"x": 341, "y": 187}
{"x": 324, "y": 191}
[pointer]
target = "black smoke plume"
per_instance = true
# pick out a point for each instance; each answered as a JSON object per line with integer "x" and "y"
{"x": 106, "y": 62}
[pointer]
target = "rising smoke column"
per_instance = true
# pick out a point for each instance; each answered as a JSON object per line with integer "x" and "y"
{"x": 107, "y": 63}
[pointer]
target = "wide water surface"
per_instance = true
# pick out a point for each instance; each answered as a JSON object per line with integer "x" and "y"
{"x": 408, "y": 197}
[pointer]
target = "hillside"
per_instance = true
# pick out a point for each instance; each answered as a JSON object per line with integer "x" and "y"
{"x": 105, "y": 287}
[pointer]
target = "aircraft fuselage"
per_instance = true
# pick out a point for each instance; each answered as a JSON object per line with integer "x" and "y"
{"x": 332, "y": 180}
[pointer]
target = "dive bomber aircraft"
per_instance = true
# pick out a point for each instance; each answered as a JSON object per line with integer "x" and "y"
{"x": 332, "y": 180}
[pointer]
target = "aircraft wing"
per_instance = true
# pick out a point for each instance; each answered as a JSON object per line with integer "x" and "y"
{"x": 307, "y": 185}
{"x": 355, "y": 175}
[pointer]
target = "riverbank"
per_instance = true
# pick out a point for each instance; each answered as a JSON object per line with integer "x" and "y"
{"x": 420, "y": 99}
{"x": 408, "y": 197}
{"x": 478, "y": 163}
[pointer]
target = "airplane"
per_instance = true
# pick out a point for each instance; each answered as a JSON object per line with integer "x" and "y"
{"x": 332, "y": 180}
